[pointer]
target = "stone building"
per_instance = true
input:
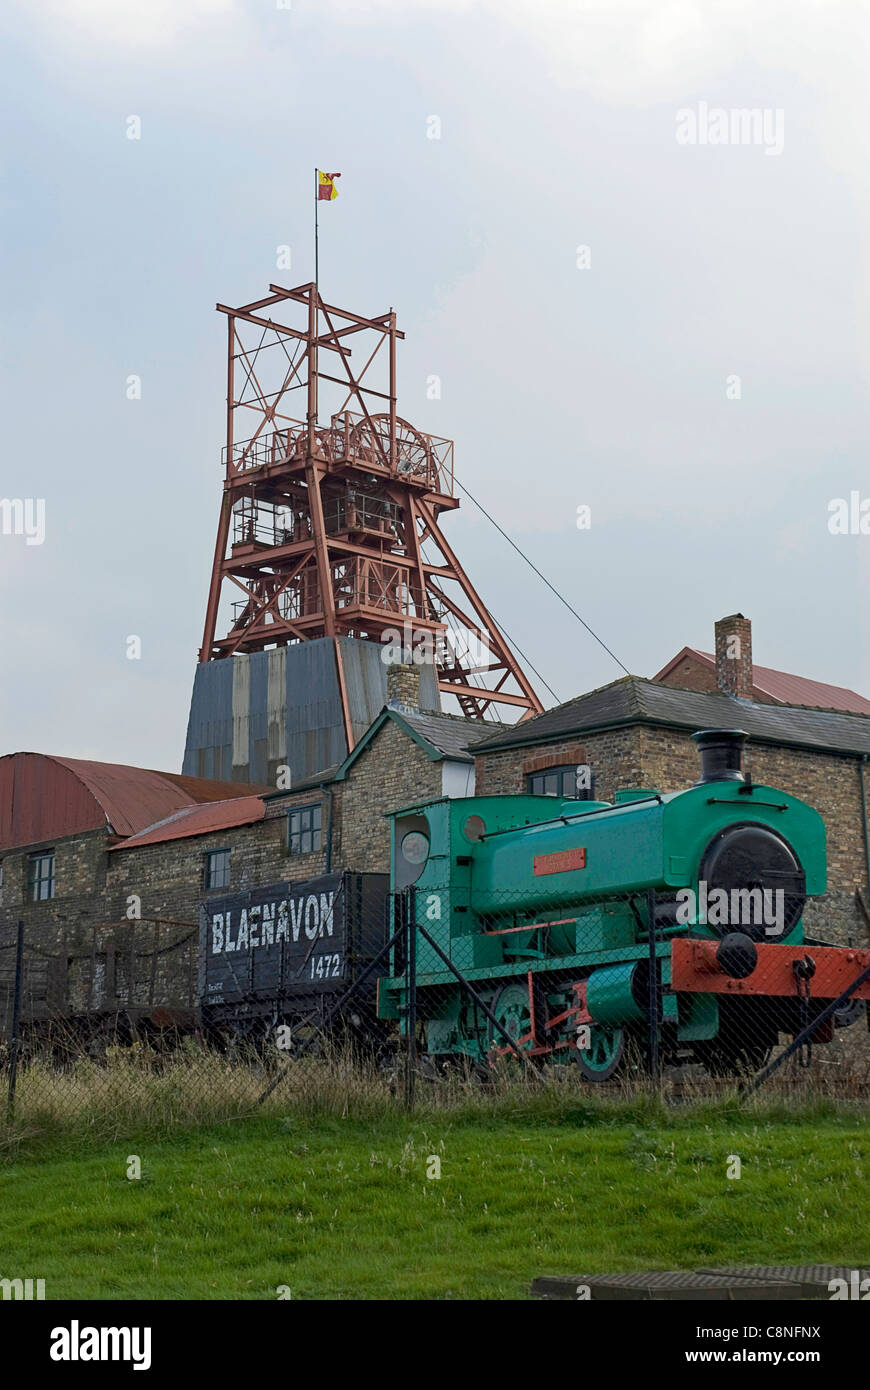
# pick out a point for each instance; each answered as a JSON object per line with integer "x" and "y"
{"x": 107, "y": 865}
{"x": 59, "y": 821}
{"x": 60, "y": 817}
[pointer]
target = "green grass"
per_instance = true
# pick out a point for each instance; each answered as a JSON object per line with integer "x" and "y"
{"x": 338, "y": 1207}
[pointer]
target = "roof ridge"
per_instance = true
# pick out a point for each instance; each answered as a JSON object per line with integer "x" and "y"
{"x": 765, "y": 678}
{"x": 777, "y": 704}
{"x": 639, "y": 699}
{"x": 634, "y": 694}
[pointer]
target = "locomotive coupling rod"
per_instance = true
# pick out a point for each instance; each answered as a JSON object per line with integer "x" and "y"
{"x": 827, "y": 1012}
{"x": 477, "y": 999}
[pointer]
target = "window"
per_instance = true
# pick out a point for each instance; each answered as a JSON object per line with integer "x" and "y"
{"x": 305, "y": 823}
{"x": 217, "y": 868}
{"x": 573, "y": 783}
{"x": 40, "y": 876}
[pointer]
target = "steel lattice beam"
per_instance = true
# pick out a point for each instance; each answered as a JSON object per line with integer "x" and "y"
{"x": 322, "y": 525}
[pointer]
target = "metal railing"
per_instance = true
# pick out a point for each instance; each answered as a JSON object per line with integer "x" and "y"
{"x": 355, "y": 437}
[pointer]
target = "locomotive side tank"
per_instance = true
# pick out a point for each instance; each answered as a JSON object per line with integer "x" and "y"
{"x": 542, "y": 906}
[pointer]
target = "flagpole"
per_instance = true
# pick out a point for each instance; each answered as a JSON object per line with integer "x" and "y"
{"x": 312, "y": 366}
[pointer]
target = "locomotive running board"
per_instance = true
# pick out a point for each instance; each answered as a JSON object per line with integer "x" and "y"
{"x": 695, "y": 970}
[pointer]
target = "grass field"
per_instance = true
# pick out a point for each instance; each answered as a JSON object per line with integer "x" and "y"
{"x": 342, "y": 1207}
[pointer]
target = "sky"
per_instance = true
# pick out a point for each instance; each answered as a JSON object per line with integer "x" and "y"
{"x": 625, "y": 313}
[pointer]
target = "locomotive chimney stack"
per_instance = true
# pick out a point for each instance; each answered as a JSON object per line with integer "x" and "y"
{"x": 734, "y": 656}
{"x": 721, "y": 755}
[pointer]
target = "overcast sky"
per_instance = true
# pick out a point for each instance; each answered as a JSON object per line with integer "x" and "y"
{"x": 699, "y": 379}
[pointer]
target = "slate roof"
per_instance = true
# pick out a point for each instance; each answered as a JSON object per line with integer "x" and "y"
{"x": 633, "y": 700}
{"x": 783, "y": 687}
{"x": 448, "y": 734}
{"x": 442, "y": 735}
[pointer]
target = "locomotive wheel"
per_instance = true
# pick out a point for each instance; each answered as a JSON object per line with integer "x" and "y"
{"x": 604, "y": 1056}
{"x": 511, "y": 1008}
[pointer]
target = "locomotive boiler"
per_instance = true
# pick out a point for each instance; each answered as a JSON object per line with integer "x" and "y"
{"x": 543, "y": 907}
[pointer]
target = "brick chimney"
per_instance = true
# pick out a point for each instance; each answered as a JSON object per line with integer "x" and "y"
{"x": 403, "y": 687}
{"x": 734, "y": 656}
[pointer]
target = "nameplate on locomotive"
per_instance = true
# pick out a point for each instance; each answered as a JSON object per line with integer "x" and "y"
{"x": 560, "y": 863}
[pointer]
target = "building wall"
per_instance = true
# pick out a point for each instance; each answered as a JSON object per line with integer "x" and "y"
{"x": 692, "y": 674}
{"x": 57, "y": 925}
{"x": 168, "y": 878}
{"x": 80, "y": 872}
{"x": 613, "y": 756}
{"x": 393, "y": 771}
{"x": 457, "y": 779}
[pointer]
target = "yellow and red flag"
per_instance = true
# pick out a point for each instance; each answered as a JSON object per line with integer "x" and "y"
{"x": 326, "y": 189}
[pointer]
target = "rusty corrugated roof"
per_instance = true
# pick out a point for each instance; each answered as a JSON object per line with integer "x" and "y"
{"x": 43, "y": 797}
{"x": 198, "y": 820}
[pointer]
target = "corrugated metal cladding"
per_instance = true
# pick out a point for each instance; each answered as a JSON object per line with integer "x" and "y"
{"x": 209, "y": 746}
{"x": 250, "y": 715}
{"x": 365, "y": 676}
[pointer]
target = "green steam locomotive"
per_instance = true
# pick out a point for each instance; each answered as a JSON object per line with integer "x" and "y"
{"x": 532, "y": 924}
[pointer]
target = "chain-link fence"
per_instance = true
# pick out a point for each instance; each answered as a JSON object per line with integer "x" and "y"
{"x": 339, "y": 987}
{"x": 635, "y": 989}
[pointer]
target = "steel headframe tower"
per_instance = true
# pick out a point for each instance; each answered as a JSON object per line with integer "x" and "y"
{"x": 333, "y": 530}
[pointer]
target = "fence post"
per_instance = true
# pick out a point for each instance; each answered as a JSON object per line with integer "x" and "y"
{"x": 15, "y": 1042}
{"x": 653, "y": 988}
{"x": 410, "y": 911}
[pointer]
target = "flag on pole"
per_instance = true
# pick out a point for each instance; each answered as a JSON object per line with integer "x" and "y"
{"x": 326, "y": 189}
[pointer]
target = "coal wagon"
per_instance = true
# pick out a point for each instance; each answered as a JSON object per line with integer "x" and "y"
{"x": 285, "y": 953}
